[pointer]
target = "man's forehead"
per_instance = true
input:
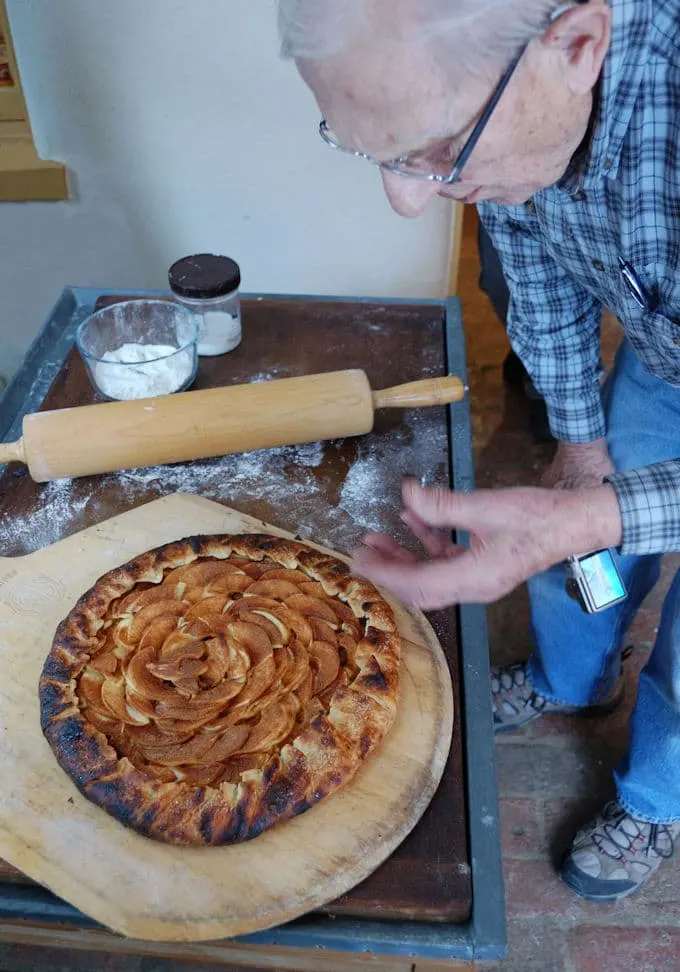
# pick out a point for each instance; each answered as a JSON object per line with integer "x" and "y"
{"x": 388, "y": 102}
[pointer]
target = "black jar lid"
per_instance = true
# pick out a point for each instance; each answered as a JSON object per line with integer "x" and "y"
{"x": 203, "y": 276}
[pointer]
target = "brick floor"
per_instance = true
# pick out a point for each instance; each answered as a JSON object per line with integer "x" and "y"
{"x": 593, "y": 948}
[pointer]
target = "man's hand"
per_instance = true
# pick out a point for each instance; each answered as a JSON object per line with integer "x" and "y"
{"x": 576, "y": 466}
{"x": 514, "y": 533}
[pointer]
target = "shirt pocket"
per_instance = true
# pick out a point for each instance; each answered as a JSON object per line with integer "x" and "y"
{"x": 655, "y": 333}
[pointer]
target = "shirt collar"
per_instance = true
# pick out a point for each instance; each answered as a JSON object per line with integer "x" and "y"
{"x": 618, "y": 91}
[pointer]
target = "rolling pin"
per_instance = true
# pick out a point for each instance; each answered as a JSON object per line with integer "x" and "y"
{"x": 103, "y": 438}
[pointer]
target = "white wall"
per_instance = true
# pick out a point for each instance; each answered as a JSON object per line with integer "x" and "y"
{"x": 184, "y": 131}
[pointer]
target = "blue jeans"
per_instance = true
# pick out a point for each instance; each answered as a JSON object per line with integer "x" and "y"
{"x": 577, "y": 656}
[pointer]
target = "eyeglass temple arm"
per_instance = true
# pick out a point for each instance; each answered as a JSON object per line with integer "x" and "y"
{"x": 483, "y": 119}
{"x": 502, "y": 85}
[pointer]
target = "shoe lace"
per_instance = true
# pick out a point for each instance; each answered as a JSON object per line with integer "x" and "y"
{"x": 659, "y": 840}
{"x": 524, "y": 694}
{"x": 657, "y": 831}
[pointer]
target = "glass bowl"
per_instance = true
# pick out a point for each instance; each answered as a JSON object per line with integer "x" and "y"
{"x": 140, "y": 349}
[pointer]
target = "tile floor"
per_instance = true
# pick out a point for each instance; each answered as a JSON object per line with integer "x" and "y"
{"x": 552, "y": 775}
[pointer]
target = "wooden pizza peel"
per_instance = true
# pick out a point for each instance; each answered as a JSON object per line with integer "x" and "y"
{"x": 147, "y": 890}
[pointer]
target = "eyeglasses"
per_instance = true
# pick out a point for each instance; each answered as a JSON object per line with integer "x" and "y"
{"x": 417, "y": 168}
{"x": 421, "y": 168}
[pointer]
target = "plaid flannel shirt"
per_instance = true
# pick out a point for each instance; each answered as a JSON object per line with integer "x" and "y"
{"x": 560, "y": 252}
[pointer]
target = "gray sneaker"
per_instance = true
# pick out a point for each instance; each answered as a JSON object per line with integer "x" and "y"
{"x": 515, "y": 703}
{"x": 616, "y": 854}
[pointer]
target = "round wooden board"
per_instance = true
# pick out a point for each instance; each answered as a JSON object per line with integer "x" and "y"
{"x": 152, "y": 891}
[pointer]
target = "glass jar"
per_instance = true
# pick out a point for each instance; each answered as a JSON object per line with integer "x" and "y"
{"x": 208, "y": 285}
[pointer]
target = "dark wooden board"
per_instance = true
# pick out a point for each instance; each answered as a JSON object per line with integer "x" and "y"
{"x": 329, "y": 492}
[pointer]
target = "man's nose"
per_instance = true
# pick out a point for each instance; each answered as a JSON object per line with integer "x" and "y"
{"x": 408, "y": 197}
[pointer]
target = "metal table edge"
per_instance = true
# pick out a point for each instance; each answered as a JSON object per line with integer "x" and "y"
{"x": 488, "y": 906}
{"x": 484, "y": 936}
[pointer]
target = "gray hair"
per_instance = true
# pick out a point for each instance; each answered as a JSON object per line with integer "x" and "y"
{"x": 481, "y": 30}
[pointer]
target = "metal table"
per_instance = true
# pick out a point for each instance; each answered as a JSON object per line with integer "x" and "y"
{"x": 483, "y": 935}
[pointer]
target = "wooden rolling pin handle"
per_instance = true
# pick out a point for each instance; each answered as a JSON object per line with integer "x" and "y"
{"x": 12, "y": 452}
{"x": 418, "y": 394}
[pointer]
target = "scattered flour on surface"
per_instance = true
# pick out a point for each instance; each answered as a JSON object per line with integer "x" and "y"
{"x": 263, "y": 376}
{"x": 408, "y": 450}
{"x": 331, "y": 502}
{"x": 282, "y": 477}
{"x": 45, "y": 522}
{"x": 270, "y": 375}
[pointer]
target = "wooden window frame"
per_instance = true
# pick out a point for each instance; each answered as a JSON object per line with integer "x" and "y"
{"x": 24, "y": 175}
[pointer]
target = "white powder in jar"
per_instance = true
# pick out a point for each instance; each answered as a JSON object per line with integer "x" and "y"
{"x": 218, "y": 332}
{"x": 143, "y": 370}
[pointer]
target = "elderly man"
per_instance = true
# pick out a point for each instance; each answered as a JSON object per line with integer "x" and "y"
{"x": 563, "y": 124}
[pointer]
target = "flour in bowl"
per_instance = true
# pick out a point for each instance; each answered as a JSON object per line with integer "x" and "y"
{"x": 143, "y": 370}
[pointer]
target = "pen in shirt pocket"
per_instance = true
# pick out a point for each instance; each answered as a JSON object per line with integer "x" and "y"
{"x": 635, "y": 287}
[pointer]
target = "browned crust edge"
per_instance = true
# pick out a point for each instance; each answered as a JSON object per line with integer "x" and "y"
{"x": 316, "y": 763}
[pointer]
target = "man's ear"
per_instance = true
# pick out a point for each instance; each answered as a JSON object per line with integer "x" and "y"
{"x": 582, "y": 34}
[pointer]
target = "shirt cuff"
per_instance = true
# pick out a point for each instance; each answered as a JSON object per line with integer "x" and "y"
{"x": 649, "y": 499}
{"x": 577, "y": 420}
